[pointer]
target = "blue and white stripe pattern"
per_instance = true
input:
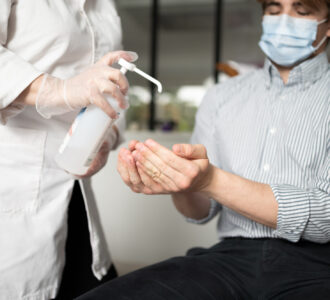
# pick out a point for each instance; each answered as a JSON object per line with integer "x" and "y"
{"x": 257, "y": 127}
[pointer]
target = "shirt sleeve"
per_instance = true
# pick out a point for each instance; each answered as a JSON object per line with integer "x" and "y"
{"x": 305, "y": 213}
{"x": 203, "y": 134}
{"x": 214, "y": 209}
{"x": 15, "y": 73}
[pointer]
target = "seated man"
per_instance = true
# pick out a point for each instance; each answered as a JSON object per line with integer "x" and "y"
{"x": 260, "y": 154}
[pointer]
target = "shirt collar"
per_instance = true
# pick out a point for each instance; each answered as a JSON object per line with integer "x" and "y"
{"x": 306, "y": 73}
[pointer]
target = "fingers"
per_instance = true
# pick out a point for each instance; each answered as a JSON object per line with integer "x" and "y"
{"x": 157, "y": 168}
{"x": 151, "y": 187}
{"x": 109, "y": 88}
{"x": 105, "y": 149}
{"x": 132, "y": 144}
{"x": 118, "y": 78}
{"x": 99, "y": 100}
{"x": 99, "y": 161}
{"x": 177, "y": 163}
{"x": 113, "y": 57}
{"x": 135, "y": 178}
{"x": 190, "y": 151}
{"x": 127, "y": 170}
{"x": 122, "y": 168}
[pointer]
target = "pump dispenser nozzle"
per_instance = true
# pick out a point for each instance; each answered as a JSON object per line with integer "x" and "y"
{"x": 127, "y": 66}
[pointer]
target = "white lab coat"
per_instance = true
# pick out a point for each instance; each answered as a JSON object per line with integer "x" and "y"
{"x": 61, "y": 38}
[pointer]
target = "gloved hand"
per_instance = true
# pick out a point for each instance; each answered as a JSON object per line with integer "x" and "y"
{"x": 57, "y": 96}
{"x": 101, "y": 158}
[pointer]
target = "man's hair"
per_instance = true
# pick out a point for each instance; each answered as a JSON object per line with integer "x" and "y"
{"x": 313, "y": 4}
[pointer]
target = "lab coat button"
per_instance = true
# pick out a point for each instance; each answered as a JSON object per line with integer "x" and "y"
{"x": 266, "y": 167}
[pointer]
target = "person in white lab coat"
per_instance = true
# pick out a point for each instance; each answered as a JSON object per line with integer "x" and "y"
{"x": 55, "y": 58}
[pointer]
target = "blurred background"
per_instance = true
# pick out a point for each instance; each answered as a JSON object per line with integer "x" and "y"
{"x": 188, "y": 45}
{"x": 180, "y": 39}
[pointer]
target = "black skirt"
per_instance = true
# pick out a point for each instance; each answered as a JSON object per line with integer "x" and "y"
{"x": 78, "y": 277}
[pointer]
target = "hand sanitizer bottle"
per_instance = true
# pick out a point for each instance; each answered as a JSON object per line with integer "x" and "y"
{"x": 89, "y": 129}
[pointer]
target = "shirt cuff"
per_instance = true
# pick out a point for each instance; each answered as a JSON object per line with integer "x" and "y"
{"x": 293, "y": 211}
{"x": 10, "y": 111}
{"x": 214, "y": 209}
{"x": 18, "y": 75}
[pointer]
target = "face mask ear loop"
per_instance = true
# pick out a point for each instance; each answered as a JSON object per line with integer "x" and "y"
{"x": 324, "y": 39}
{"x": 321, "y": 22}
{"x": 320, "y": 44}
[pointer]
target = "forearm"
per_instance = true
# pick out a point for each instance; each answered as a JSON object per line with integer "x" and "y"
{"x": 251, "y": 199}
{"x": 29, "y": 95}
{"x": 192, "y": 205}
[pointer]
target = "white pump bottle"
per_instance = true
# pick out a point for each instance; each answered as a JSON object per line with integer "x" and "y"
{"x": 88, "y": 131}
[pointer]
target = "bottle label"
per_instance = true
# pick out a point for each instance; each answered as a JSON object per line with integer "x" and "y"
{"x": 71, "y": 131}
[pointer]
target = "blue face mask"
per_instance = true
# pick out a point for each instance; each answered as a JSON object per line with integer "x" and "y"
{"x": 287, "y": 40}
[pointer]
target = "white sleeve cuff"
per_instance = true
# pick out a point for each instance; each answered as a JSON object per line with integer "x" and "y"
{"x": 10, "y": 111}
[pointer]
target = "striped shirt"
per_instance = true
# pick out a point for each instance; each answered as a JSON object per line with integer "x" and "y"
{"x": 259, "y": 128}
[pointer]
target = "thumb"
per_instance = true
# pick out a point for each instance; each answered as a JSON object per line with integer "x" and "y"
{"x": 190, "y": 151}
{"x": 113, "y": 57}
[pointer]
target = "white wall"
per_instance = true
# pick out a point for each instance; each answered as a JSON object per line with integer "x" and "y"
{"x": 141, "y": 230}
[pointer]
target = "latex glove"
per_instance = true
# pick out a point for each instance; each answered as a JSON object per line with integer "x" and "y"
{"x": 101, "y": 158}
{"x": 99, "y": 161}
{"x": 57, "y": 96}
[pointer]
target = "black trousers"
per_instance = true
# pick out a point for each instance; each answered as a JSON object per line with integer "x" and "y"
{"x": 236, "y": 268}
{"x": 77, "y": 276}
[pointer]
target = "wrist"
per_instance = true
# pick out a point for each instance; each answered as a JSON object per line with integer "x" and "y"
{"x": 29, "y": 95}
{"x": 209, "y": 180}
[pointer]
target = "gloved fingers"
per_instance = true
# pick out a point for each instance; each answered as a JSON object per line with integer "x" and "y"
{"x": 99, "y": 100}
{"x": 109, "y": 88}
{"x": 113, "y": 57}
{"x": 111, "y": 137}
{"x": 99, "y": 161}
{"x": 105, "y": 149}
{"x": 118, "y": 78}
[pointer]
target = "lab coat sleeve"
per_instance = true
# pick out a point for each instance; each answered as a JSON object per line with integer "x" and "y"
{"x": 305, "y": 213}
{"x": 16, "y": 74}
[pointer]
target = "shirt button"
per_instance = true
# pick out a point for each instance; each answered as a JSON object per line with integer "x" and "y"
{"x": 266, "y": 167}
{"x": 273, "y": 130}
{"x": 282, "y": 97}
